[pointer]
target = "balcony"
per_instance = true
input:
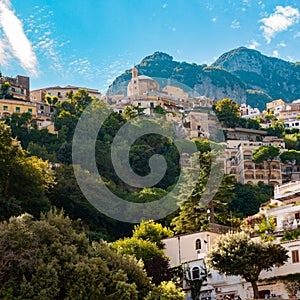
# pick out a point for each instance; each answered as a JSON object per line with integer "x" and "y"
{"x": 248, "y": 157}
{"x": 290, "y": 224}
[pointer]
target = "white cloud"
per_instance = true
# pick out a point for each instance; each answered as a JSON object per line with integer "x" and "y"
{"x": 297, "y": 35}
{"x": 214, "y": 20}
{"x": 4, "y": 54}
{"x": 280, "y": 20}
{"x": 262, "y": 5}
{"x": 19, "y": 44}
{"x": 235, "y": 24}
{"x": 164, "y": 5}
{"x": 275, "y": 53}
{"x": 281, "y": 44}
{"x": 253, "y": 45}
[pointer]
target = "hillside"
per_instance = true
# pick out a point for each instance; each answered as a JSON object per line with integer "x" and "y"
{"x": 211, "y": 81}
{"x": 241, "y": 74}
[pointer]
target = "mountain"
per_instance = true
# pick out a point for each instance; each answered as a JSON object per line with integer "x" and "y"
{"x": 274, "y": 77}
{"x": 242, "y": 74}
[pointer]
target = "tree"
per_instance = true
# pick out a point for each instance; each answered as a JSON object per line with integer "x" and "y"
{"x": 266, "y": 154}
{"x": 24, "y": 181}
{"x": 153, "y": 232}
{"x": 227, "y": 112}
{"x": 156, "y": 263}
{"x": 51, "y": 100}
{"x": 193, "y": 214}
{"x": 42, "y": 260}
{"x": 276, "y": 129}
{"x": 236, "y": 254}
{"x": 4, "y": 89}
{"x": 247, "y": 198}
{"x": 291, "y": 157}
{"x": 166, "y": 291}
{"x": 145, "y": 244}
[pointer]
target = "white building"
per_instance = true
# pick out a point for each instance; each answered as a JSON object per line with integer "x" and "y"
{"x": 247, "y": 112}
{"x": 190, "y": 251}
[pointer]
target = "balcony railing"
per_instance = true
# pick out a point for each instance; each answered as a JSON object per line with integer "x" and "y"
{"x": 222, "y": 229}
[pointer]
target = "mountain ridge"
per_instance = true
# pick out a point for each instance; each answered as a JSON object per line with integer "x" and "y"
{"x": 242, "y": 74}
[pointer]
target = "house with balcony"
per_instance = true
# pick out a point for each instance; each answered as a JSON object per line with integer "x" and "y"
{"x": 19, "y": 87}
{"x": 239, "y": 161}
{"x": 284, "y": 207}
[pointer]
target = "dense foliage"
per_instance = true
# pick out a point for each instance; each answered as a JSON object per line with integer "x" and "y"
{"x": 53, "y": 259}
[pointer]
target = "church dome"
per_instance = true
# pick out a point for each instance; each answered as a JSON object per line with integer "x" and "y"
{"x": 141, "y": 85}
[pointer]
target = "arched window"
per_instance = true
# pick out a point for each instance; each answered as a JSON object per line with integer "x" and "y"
{"x": 198, "y": 244}
{"x": 195, "y": 273}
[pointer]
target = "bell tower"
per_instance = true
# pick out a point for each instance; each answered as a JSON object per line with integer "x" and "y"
{"x": 135, "y": 82}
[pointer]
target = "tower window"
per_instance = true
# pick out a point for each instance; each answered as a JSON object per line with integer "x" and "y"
{"x": 198, "y": 244}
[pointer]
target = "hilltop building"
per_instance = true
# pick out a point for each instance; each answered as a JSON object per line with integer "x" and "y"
{"x": 141, "y": 85}
{"x": 61, "y": 92}
{"x": 19, "y": 87}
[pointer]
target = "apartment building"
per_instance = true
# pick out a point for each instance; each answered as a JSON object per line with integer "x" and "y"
{"x": 239, "y": 161}
{"x": 19, "y": 87}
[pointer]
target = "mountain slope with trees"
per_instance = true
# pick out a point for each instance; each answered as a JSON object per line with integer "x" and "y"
{"x": 241, "y": 74}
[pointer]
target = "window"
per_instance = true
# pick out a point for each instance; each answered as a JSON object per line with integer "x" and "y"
{"x": 42, "y": 106}
{"x": 151, "y": 104}
{"x": 297, "y": 216}
{"x": 195, "y": 273}
{"x": 18, "y": 109}
{"x": 198, "y": 244}
{"x": 51, "y": 109}
{"x": 295, "y": 256}
{"x": 5, "y": 107}
{"x": 139, "y": 104}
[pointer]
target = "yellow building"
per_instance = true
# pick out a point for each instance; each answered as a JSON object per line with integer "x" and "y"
{"x": 9, "y": 106}
{"x": 276, "y": 106}
{"x": 174, "y": 91}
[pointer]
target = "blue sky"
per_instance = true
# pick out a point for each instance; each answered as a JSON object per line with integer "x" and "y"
{"x": 88, "y": 43}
